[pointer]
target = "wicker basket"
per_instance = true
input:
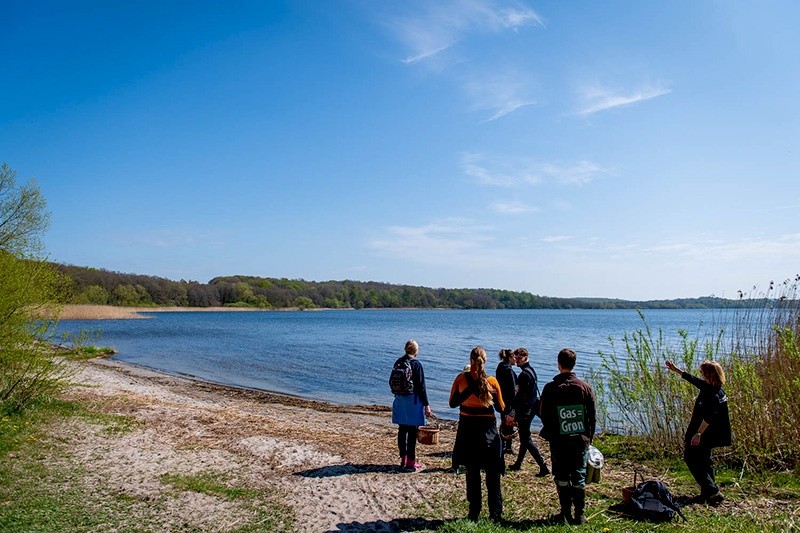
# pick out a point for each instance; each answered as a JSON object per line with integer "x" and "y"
{"x": 428, "y": 435}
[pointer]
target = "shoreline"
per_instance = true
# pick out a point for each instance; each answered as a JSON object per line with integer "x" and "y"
{"x": 113, "y": 312}
{"x": 248, "y": 393}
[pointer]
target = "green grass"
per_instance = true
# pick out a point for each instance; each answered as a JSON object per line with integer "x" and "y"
{"x": 269, "y": 514}
{"x": 34, "y": 496}
{"x": 756, "y": 500}
{"x": 82, "y": 353}
{"x": 38, "y": 493}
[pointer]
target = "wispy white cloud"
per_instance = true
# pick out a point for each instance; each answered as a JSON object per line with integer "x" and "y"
{"x": 555, "y": 238}
{"x": 441, "y": 243}
{"x": 427, "y": 54}
{"x": 170, "y": 238}
{"x": 442, "y": 24}
{"x": 488, "y": 170}
{"x": 595, "y": 98}
{"x": 579, "y": 173}
{"x": 714, "y": 250}
{"x": 513, "y": 208}
{"x": 500, "y": 94}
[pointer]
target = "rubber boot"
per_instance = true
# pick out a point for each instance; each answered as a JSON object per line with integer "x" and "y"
{"x": 579, "y": 498}
{"x": 565, "y": 500}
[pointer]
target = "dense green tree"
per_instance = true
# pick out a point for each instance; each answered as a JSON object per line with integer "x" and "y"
{"x": 23, "y": 218}
{"x": 94, "y": 294}
{"x": 251, "y": 291}
{"x": 29, "y": 290}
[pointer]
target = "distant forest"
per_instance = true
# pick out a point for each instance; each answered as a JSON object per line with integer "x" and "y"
{"x": 97, "y": 286}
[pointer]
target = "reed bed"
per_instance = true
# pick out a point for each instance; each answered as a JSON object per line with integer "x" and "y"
{"x": 758, "y": 344}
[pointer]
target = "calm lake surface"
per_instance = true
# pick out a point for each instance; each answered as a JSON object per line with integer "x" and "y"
{"x": 345, "y": 356}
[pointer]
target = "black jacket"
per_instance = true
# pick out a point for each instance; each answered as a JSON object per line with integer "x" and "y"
{"x": 711, "y": 405}
{"x": 507, "y": 379}
{"x": 568, "y": 409}
{"x": 527, "y": 392}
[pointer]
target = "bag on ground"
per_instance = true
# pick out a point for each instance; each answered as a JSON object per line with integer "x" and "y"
{"x": 594, "y": 465}
{"x": 651, "y": 500}
{"x": 400, "y": 378}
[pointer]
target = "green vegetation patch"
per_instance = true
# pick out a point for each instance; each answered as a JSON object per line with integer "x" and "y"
{"x": 269, "y": 514}
{"x": 43, "y": 489}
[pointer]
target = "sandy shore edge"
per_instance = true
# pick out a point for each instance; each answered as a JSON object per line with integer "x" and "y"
{"x": 110, "y": 312}
{"x": 334, "y": 465}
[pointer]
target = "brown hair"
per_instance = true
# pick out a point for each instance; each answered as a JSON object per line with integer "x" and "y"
{"x": 477, "y": 364}
{"x": 713, "y": 373}
{"x": 521, "y": 352}
{"x": 412, "y": 347}
{"x": 567, "y": 358}
{"x": 505, "y": 354}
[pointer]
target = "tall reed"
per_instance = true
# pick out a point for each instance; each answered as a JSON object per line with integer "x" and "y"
{"x": 758, "y": 345}
{"x": 636, "y": 392}
{"x": 763, "y": 366}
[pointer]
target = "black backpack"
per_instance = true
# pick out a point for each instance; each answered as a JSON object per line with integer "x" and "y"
{"x": 651, "y": 500}
{"x": 400, "y": 380}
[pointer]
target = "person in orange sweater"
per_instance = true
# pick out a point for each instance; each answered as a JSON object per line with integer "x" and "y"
{"x": 478, "y": 445}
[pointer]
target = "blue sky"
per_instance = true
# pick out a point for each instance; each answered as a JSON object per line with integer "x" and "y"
{"x": 637, "y": 150}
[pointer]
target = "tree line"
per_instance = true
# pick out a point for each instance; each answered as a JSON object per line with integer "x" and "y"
{"x": 99, "y": 286}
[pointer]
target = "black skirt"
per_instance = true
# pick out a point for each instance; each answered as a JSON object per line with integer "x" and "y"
{"x": 478, "y": 443}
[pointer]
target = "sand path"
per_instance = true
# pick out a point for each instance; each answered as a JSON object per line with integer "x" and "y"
{"x": 333, "y": 465}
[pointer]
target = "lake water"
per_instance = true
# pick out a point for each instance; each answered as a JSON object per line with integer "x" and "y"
{"x": 345, "y": 356}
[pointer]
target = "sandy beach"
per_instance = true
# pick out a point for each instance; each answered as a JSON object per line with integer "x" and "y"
{"x": 334, "y": 465}
{"x": 107, "y": 312}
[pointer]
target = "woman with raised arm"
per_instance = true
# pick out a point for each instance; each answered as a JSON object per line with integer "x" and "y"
{"x": 478, "y": 444}
{"x": 709, "y": 427}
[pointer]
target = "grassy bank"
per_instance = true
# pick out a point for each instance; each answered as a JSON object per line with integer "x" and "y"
{"x": 45, "y": 485}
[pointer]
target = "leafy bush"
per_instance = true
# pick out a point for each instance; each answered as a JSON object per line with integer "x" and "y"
{"x": 28, "y": 289}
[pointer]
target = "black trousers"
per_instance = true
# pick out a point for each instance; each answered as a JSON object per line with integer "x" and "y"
{"x": 494, "y": 495}
{"x": 569, "y": 462}
{"x": 698, "y": 459}
{"x": 407, "y": 441}
{"x": 526, "y": 443}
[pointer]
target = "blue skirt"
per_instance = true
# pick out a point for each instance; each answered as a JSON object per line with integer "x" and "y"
{"x": 407, "y": 410}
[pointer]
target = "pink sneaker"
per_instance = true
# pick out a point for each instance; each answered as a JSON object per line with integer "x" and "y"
{"x": 414, "y": 465}
{"x": 403, "y": 462}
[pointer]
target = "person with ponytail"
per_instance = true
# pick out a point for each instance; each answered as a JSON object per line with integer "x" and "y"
{"x": 508, "y": 384}
{"x": 478, "y": 445}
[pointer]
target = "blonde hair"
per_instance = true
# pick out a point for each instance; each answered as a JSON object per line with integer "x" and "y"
{"x": 713, "y": 373}
{"x": 477, "y": 363}
{"x": 412, "y": 347}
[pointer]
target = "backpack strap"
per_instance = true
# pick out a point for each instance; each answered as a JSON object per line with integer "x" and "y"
{"x": 472, "y": 388}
